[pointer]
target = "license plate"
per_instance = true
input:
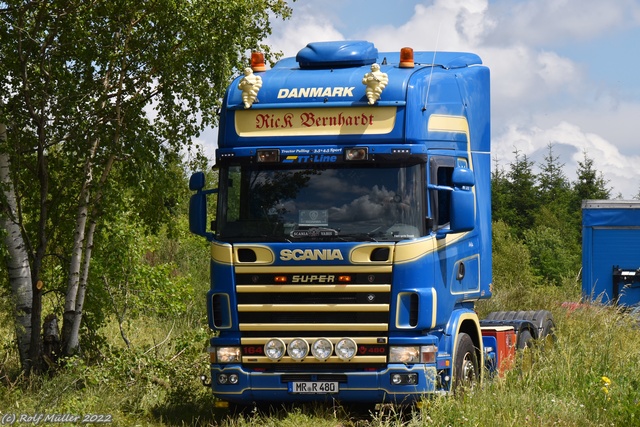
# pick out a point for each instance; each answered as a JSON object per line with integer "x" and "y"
{"x": 313, "y": 387}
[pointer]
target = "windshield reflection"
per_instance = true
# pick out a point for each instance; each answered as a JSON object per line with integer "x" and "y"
{"x": 372, "y": 203}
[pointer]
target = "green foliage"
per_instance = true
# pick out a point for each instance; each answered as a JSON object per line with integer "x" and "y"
{"x": 129, "y": 277}
{"x": 515, "y": 194}
{"x": 115, "y": 92}
{"x": 590, "y": 184}
{"x": 553, "y": 185}
{"x": 154, "y": 380}
{"x": 542, "y": 213}
{"x": 511, "y": 259}
{"x": 553, "y": 256}
{"x": 501, "y": 209}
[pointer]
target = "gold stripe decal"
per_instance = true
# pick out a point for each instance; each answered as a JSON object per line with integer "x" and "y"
{"x": 264, "y": 254}
{"x": 317, "y": 269}
{"x": 222, "y": 253}
{"x": 442, "y": 123}
{"x": 311, "y": 288}
{"x": 413, "y": 249}
{"x": 270, "y": 327}
{"x": 369, "y": 308}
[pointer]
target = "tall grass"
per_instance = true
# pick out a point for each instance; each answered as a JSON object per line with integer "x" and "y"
{"x": 588, "y": 377}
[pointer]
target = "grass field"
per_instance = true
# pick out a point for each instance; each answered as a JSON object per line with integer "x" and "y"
{"x": 589, "y": 377}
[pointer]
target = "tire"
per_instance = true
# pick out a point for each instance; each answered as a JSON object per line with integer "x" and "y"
{"x": 525, "y": 339}
{"x": 523, "y": 346}
{"x": 543, "y": 320}
{"x": 495, "y": 315}
{"x": 466, "y": 371}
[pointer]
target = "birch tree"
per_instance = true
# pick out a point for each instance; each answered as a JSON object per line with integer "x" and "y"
{"x": 99, "y": 92}
{"x": 18, "y": 260}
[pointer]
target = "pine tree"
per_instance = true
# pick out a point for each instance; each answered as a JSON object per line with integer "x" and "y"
{"x": 500, "y": 204}
{"x": 523, "y": 193}
{"x": 555, "y": 193}
{"x": 590, "y": 183}
{"x": 553, "y": 183}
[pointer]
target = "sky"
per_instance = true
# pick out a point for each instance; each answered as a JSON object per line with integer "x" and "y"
{"x": 564, "y": 73}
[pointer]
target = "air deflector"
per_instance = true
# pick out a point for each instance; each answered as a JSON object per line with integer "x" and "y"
{"x": 341, "y": 54}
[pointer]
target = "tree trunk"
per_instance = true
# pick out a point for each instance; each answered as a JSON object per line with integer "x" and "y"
{"x": 18, "y": 260}
{"x": 76, "y": 286}
{"x": 81, "y": 260}
{"x": 72, "y": 312}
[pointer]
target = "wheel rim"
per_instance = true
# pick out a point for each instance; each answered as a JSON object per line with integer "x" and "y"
{"x": 468, "y": 373}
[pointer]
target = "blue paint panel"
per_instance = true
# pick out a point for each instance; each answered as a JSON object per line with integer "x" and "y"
{"x": 469, "y": 283}
{"x": 610, "y": 238}
{"x": 614, "y": 247}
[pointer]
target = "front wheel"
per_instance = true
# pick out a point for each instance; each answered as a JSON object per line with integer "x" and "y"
{"x": 465, "y": 369}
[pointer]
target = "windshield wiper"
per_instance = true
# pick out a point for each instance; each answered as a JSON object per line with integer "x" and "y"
{"x": 354, "y": 237}
{"x": 276, "y": 238}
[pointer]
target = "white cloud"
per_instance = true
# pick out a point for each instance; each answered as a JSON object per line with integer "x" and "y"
{"x": 618, "y": 169}
{"x": 305, "y": 26}
{"x": 443, "y": 25}
{"x": 558, "y": 22}
{"x": 539, "y": 95}
{"x": 615, "y": 121}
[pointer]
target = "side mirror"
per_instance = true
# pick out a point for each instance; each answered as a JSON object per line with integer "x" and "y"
{"x": 196, "y": 182}
{"x": 463, "y": 212}
{"x": 198, "y": 206}
{"x": 463, "y": 177}
{"x": 463, "y": 209}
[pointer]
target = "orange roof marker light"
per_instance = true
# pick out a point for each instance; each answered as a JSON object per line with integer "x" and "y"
{"x": 406, "y": 58}
{"x": 257, "y": 62}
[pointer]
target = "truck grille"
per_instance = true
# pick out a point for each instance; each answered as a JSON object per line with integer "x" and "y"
{"x": 273, "y": 303}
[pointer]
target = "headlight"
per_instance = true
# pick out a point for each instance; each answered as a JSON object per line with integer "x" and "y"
{"x": 413, "y": 354}
{"x": 428, "y": 353}
{"x": 346, "y": 348}
{"x": 274, "y": 349}
{"x": 404, "y": 354}
{"x": 356, "y": 153}
{"x": 228, "y": 354}
{"x": 298, "y": 349}
{"x": 322, "y": 349}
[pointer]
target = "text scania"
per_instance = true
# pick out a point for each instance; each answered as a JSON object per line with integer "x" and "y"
{"x": 310, "y": 254}
{"x": 312, "y": 92}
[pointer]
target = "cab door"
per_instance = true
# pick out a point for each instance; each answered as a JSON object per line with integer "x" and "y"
{"x": 457, "y": 252}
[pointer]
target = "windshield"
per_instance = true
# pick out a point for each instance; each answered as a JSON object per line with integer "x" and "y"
{"x": 368, "y": 203}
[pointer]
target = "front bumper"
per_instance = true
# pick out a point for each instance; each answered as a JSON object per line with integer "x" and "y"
{"x": 356, "y": 387}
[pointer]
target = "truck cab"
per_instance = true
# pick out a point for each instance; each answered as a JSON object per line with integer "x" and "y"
{"x": 352, "y": 233}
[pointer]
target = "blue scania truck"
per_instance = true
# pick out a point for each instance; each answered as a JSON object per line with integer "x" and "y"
{"x": 352, "y": 231}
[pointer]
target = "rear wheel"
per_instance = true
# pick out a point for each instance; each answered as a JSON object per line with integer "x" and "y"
{"x": 525, "y": 340}
{"x": 465, "y": 369}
